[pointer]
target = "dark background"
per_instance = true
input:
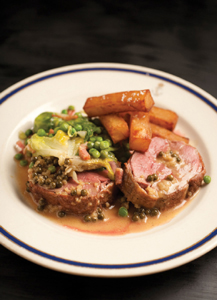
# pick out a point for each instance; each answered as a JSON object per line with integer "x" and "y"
{"x": 178, "y": 37}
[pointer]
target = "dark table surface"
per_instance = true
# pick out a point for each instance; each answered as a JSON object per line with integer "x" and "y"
{"x": 178, "y": 37}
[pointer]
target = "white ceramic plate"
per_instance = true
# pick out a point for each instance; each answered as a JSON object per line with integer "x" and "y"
{"x": 189, "y": 235}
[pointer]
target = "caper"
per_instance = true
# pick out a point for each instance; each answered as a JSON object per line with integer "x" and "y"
{"x": 74, "y": 192}
{"x": 178, "y": 159}
{"x": 58, "y": 177}
{"x": 160, "y": 154}
{"x": 155, "y": 177}
{"x": 41, "y": 180}
{"x": 52, "y": 185}
{"x": 59, "y": 172}
{"x": 67, "y": 160}
{"x": 174, "y": 155}
{"x": 48, "y": 181}
{"x": 55, "y": 162}
{"x": 150, "y": 178}
{"x": 38, "y": 170}
{"x": 36, "y": 179}
{"x": 101, "y": 216}
{"x": 170, "y": 177}
{"x": 84, "y": 192}
{"x": 61, "y": 214}
{"x": 27, "y": 187}
{"x": 147, "y": 211}
{"x": 154, "y": 212}
{"x": 40, "y": 207}
{"x": 87, "y": 218}
{"x": 99, "y": 210}
{"x": 59, "y": 184}
{"x": 135, "y": 217}
{"x": 42, "y": 201}
{"x": 142, "y": 215}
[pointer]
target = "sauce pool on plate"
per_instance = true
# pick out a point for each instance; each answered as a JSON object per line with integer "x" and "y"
{"x": 113, "y": 224}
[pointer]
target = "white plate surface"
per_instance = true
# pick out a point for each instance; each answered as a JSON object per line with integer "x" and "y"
{"x": 189, "y": 235}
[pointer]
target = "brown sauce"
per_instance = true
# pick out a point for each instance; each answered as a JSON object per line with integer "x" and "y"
{"x": 111, "y": 225}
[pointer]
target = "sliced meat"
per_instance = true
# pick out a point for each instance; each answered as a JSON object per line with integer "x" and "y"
{"x": 100, "y": 189}
{"x": 181, "y": 161}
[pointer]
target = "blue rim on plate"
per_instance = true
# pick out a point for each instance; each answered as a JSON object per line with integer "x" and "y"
{"x": 112, "y": 266}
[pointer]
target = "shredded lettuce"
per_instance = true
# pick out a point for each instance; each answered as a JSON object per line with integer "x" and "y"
{"x": 58, "y": 145}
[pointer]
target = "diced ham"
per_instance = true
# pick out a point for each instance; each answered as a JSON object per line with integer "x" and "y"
{"x": 82, "y": 151}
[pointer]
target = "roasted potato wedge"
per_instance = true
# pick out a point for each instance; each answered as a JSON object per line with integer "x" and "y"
{"x": 119, "y": 102}
{"x": 167, "y": 134}
{"x": 163, "y": 117}
{"x": 116, "y": 126}
{"x": 140, "y": 131}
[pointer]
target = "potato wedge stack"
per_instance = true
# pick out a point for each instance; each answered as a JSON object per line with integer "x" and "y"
{"x": 133, "y": 115}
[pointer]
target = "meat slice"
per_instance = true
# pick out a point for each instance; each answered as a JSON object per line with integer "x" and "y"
{"x": 181, "y": 161}
{"x": 100, "y": 189}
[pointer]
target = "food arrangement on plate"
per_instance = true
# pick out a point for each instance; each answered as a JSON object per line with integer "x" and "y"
{"x": 121, "y": 151}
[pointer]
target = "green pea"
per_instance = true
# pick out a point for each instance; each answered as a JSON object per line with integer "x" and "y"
{"x": 22, "y": 135}
{"x": 28, "y": 132}
{"x": 99, "y": 139}
{"x": 18, "y": 156}
{"x": 109, "y": 141}
{"x": 56, "y": 129}
{"x": 26, "y": 141}
{"x": 31, "y": 165}
{"x": 104, "y": 154}
{"x": 79, "y": 114}
{"x": 64, "y": 111}
{"x": 92, "y": 139}
{"x": 95, "y": 153}
{"x": 90, "y": 145}
{"x": 98, "y": 130}
{"x": 104, "y": 145}
{"x": 97, "y": 145}
{"x": 50, "y": 135}
{"x": 64, "y": 127}
{"x": 72, "y": 131}
{"x": 41, "y": 132}
{"x": 123, "y": 212}
{"x": 111, "y": 155}
{"x": 23, "y": 163}
{"x": 71, "y": 107}
{"x": 207, "y": 179}
{"x": 78, "y": 127}
{"x": 52, "y": 169}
